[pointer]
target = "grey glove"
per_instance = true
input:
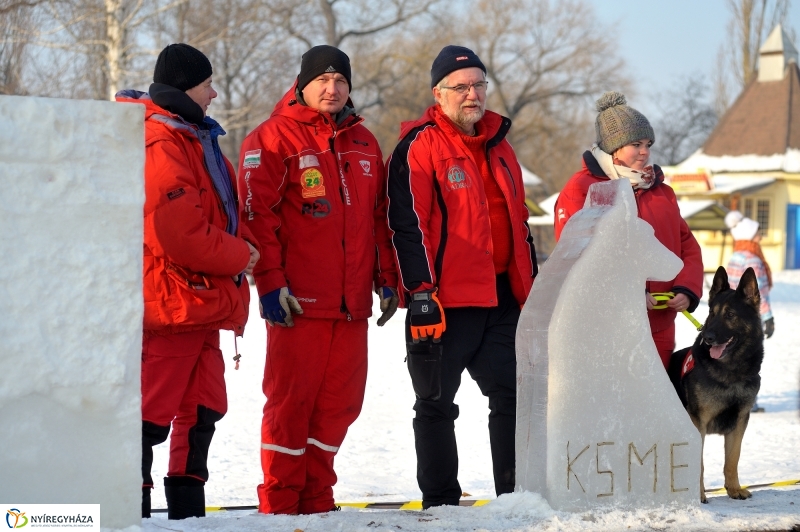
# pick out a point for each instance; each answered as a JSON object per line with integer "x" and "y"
{"x": 769, "y": 327}
{"x": 389, "y": 302}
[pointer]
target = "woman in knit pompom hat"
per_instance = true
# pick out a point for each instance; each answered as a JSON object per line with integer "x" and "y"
{"x": 622, "y": 151}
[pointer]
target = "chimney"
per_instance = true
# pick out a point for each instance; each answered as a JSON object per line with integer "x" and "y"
{"x": 774, "y": 55}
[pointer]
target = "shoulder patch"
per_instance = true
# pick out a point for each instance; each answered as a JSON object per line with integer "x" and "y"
{"x": 174, "y": 194}
{"x": 252, "y": 159}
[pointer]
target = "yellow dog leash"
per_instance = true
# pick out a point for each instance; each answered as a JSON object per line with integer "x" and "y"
{"x": 666, "y": 296}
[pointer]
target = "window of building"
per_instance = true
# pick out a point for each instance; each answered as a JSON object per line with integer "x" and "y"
{"x": 762, "y": 216}
{"x": 747, "y": 208}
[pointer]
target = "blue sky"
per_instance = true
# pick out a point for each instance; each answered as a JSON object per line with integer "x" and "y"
{"x": 664, "y": 41}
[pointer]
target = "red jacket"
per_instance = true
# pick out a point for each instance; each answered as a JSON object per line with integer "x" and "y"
{"x": 439, "y": 217}
{"x": 189, "y": 259}
{"x": 657, "y": 206}
{"x": 314, "y": 197}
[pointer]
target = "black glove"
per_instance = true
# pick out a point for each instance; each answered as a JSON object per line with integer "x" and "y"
{"x": 769, "y": 327}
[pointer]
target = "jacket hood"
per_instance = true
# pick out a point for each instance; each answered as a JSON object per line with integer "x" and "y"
{"x": 593, "y": 167}
{"x": 493, "y": 122}
{"x": 289, "y": 107}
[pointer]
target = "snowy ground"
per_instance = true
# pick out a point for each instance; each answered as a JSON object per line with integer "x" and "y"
{"x": 377, "y": 463}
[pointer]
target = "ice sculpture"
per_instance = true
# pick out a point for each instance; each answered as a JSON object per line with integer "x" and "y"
{"x": 71, "y": 199}
{"x": 598, "y": 422}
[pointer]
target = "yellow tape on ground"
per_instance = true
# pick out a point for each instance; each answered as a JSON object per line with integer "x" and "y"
{"x": 417, "y": 505}
{"x": 785, "y": 483}
{"x": 412, "y": 505}
{"x": 778, "y": 484}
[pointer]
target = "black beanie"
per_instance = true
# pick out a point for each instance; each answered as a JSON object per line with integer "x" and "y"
{"x": 181, "y": 66}
{"x": 321, "y": 59}
{"x": 453, "y": 58}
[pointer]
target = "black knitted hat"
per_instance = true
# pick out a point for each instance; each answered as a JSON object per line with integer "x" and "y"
{"x": 453, "y": 58}
{"x": 181, "y": 66}
{"x": 321, "y": 59}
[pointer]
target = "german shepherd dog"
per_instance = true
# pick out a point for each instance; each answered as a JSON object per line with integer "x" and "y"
{"x": 717, "y": 378}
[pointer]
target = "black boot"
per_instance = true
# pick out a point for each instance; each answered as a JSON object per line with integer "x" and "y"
{"x": 185, "y": 497}
{"x": 152, "y": 434}
{"x": 146, "y": 501}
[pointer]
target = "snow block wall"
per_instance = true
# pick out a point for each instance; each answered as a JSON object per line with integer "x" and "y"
{"x": 71, "y": 199}
{"x": 598, "y": 421}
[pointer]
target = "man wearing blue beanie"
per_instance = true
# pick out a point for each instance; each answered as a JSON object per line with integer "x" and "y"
{"x": 466, "y": 262}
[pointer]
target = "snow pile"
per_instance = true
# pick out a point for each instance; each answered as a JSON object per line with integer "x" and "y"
{"x": 786, "y": 162}
{"x": 71, "y": 196}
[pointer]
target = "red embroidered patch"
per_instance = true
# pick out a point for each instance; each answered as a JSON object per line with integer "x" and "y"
{"x": 688, "y": 364}
{"x": 175, "y": 194}
{"x": 462, "y": 58}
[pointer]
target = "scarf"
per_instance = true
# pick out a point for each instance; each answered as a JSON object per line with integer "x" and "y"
{"x": 755, "y": 249}
{"x": 643, "y": 179}
{"x": 207, "y": 131}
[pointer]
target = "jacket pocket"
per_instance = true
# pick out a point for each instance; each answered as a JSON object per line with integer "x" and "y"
{"x": 196, "y": 299}
{"x": 425, "y": 367}
{"x": 510, "y": 176}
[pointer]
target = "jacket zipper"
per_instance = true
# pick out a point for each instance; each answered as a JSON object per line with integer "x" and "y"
{"x": 345, "y": 196}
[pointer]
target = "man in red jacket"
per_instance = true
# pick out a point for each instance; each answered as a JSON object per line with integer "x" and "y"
{"x": 466, "y": 263}
{"x": 312, "y": 181}
{"x": 195, "y": 255}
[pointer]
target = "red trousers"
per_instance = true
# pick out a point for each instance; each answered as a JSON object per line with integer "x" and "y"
{"x": 314, "y": 381}
{"x": 665, "y": 344}
{"x": 183, "y": 385}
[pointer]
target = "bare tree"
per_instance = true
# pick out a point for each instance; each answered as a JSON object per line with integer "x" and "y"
{"x": 335, "y": 21}
{"x": 750, "y": 22}
{"x": 13, "y": 51}
{"x": 103, "y": 37}
{"x": 255, "y": 47}
{"x": 254, "y": 59}
{"x": 392, "y": 80}
{"x": 547, "y": 61}
{"x": 687, "y": 118}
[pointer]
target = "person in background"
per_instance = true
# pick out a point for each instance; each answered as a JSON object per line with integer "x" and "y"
{"x": 466, "y": 260}
{"x": 312, "y": 180}
{"x": 747, "y": 254}
{"x": 195, "y": 256}
{"x": 622, "y": 151}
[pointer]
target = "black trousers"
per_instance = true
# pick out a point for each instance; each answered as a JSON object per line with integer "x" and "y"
{"x": 482, "y": 341}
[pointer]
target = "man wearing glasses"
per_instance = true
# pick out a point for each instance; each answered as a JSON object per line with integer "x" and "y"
{"x": 466, "y": 262}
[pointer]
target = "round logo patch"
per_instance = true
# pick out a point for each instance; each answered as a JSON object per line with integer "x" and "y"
{"x": 457, "y": 178}
{"x": 313, "y": 183}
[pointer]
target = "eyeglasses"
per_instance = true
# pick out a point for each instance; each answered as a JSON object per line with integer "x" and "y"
{"x": 480, "y": 86}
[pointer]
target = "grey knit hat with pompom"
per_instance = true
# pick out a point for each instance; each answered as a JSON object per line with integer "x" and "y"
{"x": 618, "y": 124}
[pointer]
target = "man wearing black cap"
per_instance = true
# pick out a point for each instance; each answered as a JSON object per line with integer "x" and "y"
{"x": 312, "y": 182}
{"x": 466, "y": 262}
{"x": 195, "y": 255}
